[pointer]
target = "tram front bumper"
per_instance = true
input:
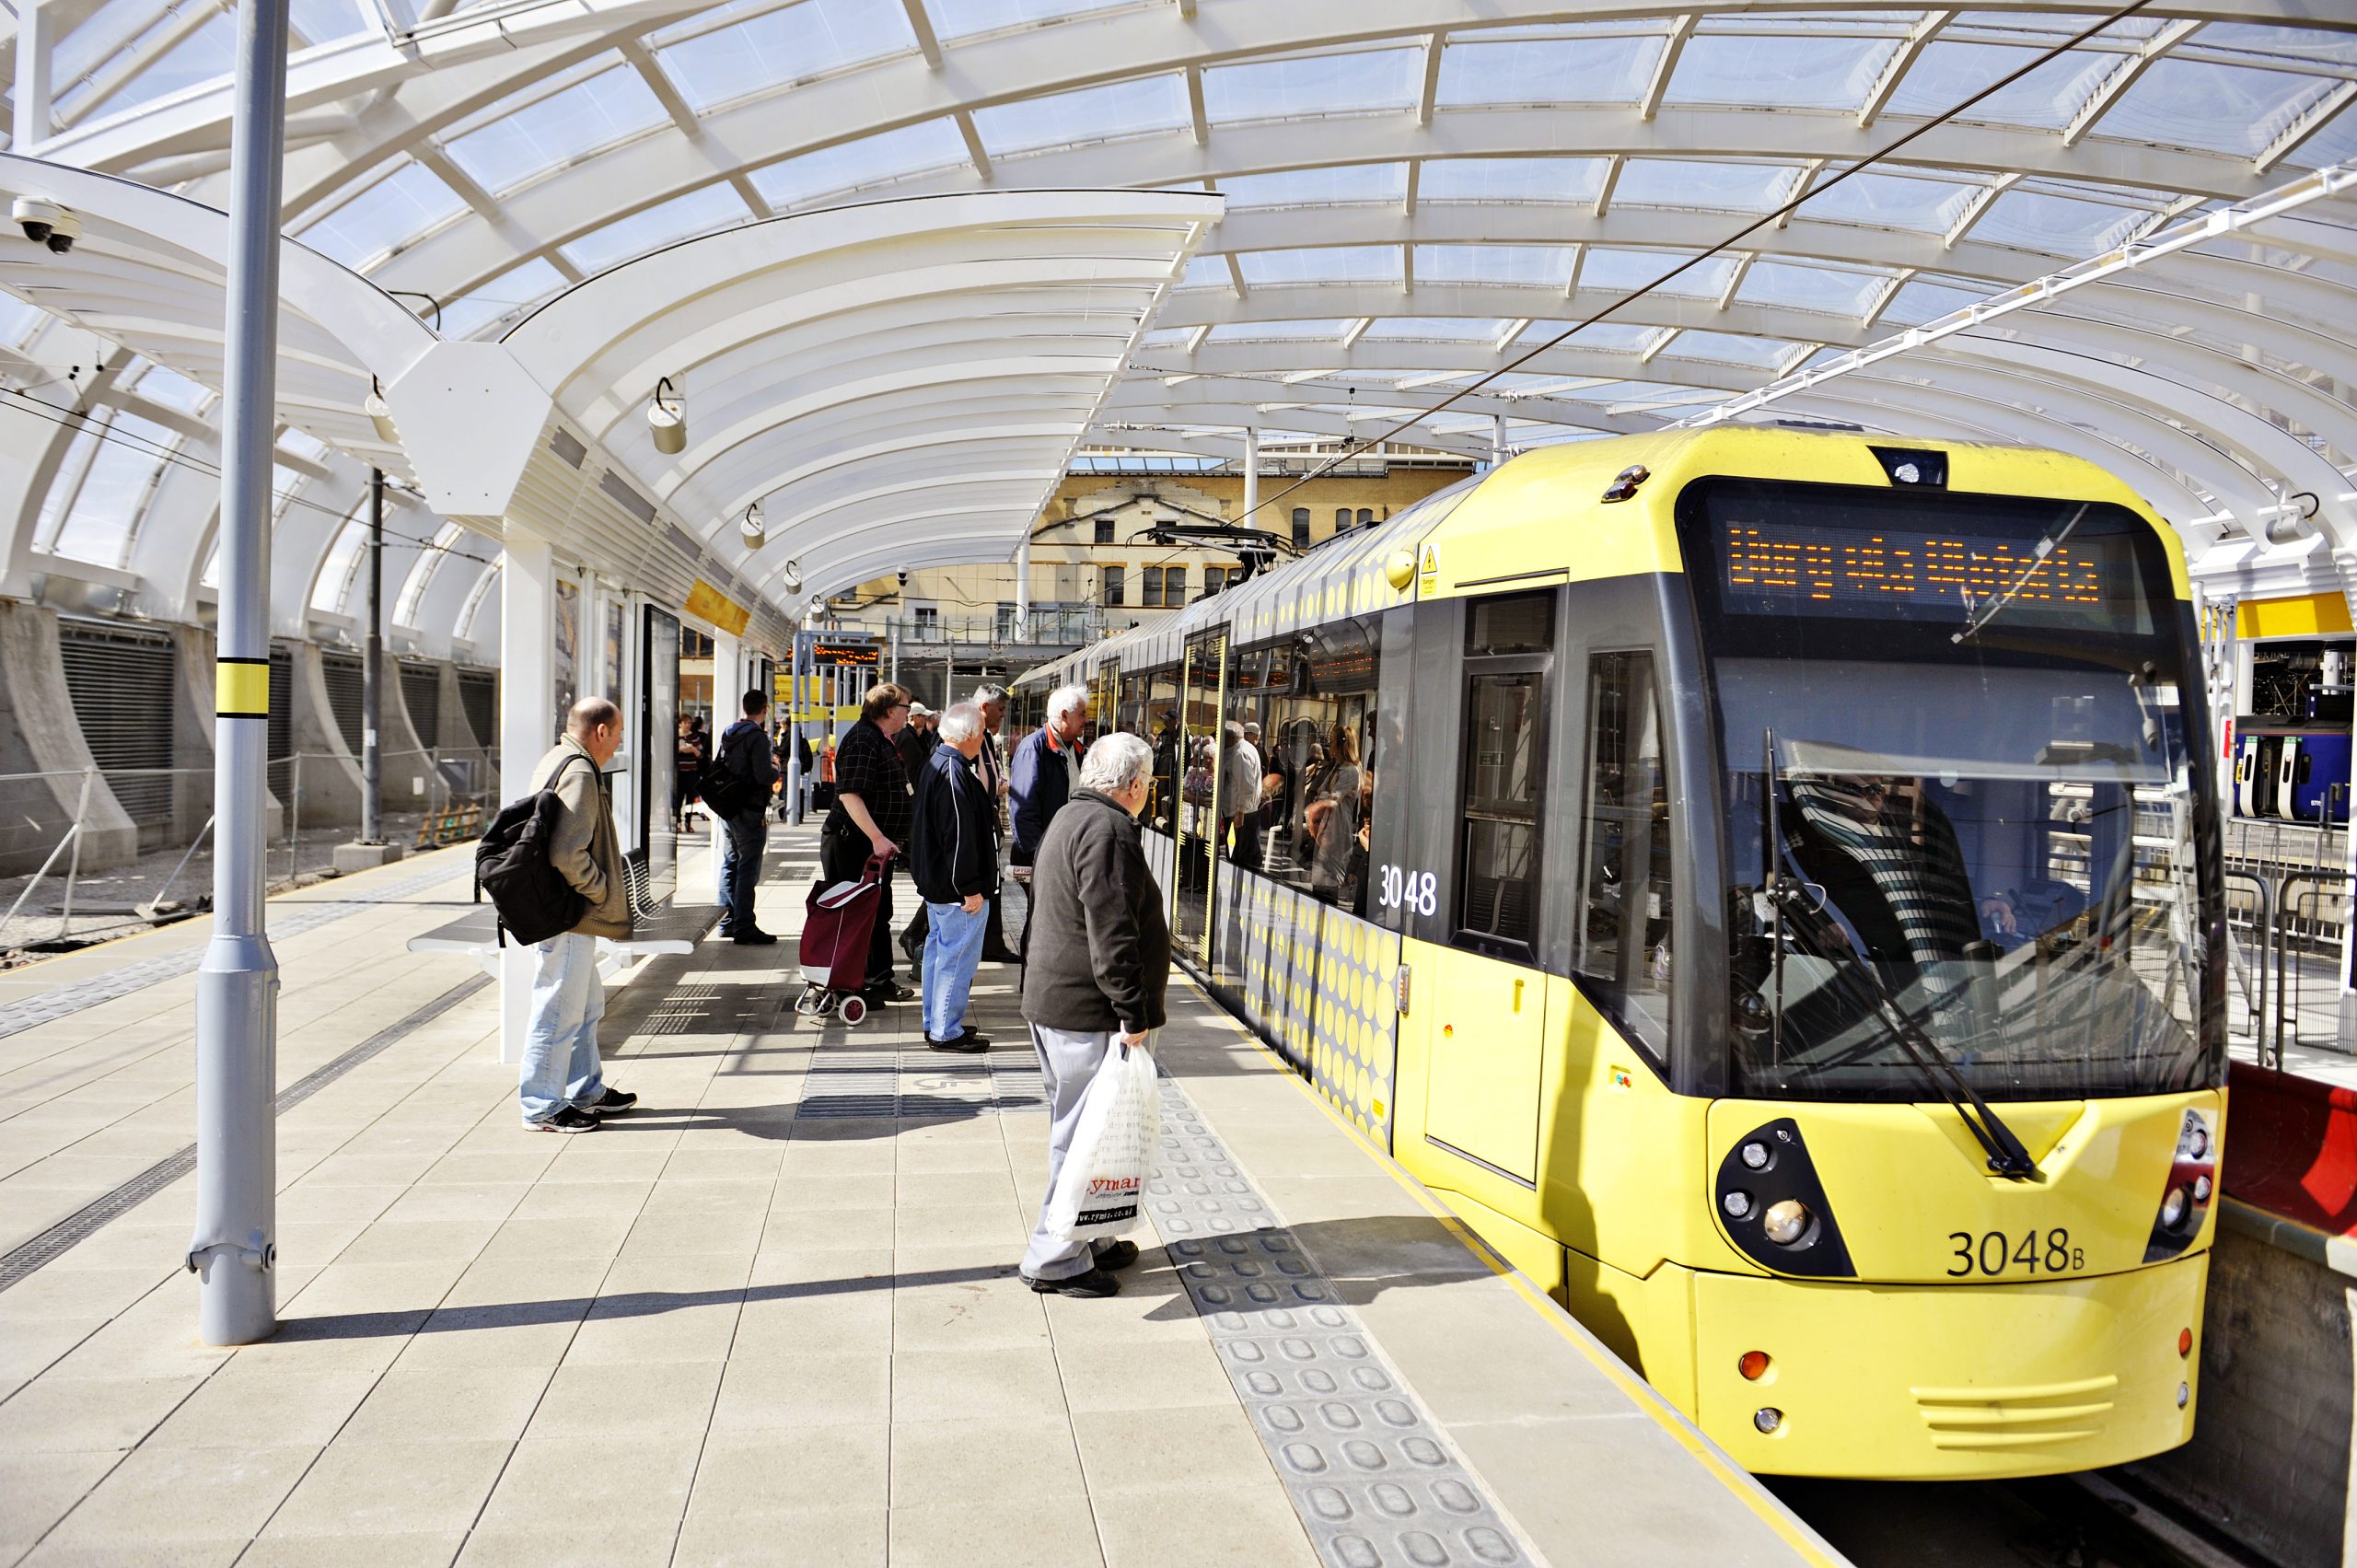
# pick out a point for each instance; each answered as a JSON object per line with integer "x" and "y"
{"x": 1935, "y": 1382}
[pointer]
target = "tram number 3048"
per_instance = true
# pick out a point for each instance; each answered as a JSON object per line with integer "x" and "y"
{"x": 1994, "y": 1253}
{"x": 1418, "y": 893}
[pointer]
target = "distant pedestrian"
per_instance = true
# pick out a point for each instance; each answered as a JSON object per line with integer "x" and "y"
{"x": 745, "y": 752}
{"x": 870, "y": 818}
{"x": 690, "y": 762}
{"x": 991, "y": 768}
{"x": 1095, "y": 966}
{"x": 954, "y": 862}
{"x": 560, "y": 1081}
{"x": 1047, "y": 769}
{"x": 1239, "y": 793}
{"x": 915, "y": 743}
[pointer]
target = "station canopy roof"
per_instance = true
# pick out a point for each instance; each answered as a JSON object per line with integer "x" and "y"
{"x": 1417, "y": 192}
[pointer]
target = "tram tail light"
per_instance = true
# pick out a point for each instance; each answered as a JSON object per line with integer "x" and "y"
{"x": 1753, "y": 1366}
{"x": 2184, "y": 1341}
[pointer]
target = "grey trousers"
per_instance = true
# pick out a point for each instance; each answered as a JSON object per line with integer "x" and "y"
{"x": 1068, "y": 1061}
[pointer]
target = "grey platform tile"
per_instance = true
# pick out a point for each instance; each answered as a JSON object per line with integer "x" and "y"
{"x": 551, "y": 1483}
{"x": 838, "y": 1538}
{"x": 818, "y": 1470}
{"x": 1373, "y": 1479}
{"x": 961, "y": 1534}
{"x": 361, "y": 1488}
{"x": 403, "y": 1551}
{"x": 53, "y": 1416}
{"x": 184, "y": 1495}
{"x": 562, "y": 1543}
{"x": 36, "y": 1489}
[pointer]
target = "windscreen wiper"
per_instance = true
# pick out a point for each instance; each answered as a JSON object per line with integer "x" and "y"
{"x": 2045, "y": 547}
{"x": 2008, "y": 1156}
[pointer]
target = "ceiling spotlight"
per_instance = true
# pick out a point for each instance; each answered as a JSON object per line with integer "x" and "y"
{"x": 667, "y": 419}
{"x": 380, "y": 413}
{"x": 751, "y": 528}
{"x": 791, "y": 576}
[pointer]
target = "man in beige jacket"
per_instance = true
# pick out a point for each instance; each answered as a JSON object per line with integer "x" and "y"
{"x": 561, "y": 1084}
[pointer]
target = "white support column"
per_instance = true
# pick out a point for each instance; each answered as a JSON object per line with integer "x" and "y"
{"x": 1022, "y": 604}
{"x": 528, "y": 726}
{"x": 1497, "y": 439}
{"x": 728, "y": 691}
{"x": 36, "y": 41}
{"x": 1250, "y": 518}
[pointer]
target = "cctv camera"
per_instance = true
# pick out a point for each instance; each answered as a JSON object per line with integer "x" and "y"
{"x": 36, "y": 217}
{"x": 904, "y": 579}
{"x": 62, "y": 232}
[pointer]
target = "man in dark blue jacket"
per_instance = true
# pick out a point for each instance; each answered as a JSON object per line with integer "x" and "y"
{"x": 954, "y": 861}
{"x": 1047, "y": 769}
{"x": 745, "y": 752}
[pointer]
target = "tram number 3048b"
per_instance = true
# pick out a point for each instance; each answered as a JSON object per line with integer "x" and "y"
{"x": 1996, "y": 1253}
{"x": 1415, "y": 892}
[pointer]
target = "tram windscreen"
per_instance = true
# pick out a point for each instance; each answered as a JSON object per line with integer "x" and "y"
{"x": 1962, "y": 810}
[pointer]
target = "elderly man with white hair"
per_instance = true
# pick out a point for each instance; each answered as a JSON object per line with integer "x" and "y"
{"x": 1047, "y": 769}
{"x": 1095, "y": 968}
{"x": 954, "y": 861}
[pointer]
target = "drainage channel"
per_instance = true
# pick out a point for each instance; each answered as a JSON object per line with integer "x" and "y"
{"x": 85, "y": 1220}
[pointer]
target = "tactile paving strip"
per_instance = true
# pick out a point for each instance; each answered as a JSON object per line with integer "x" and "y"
{"x": 287, "y": 920}
{"x": 1376, "y": 1480}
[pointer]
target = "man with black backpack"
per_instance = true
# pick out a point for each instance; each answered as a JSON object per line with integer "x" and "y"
{"x": 743, "y": 772}
{"x": 561, "y": 1083}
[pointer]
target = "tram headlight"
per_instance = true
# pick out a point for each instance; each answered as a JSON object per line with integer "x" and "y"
{"x": 2198, "y": 1141}
{"x": 2174, "y": 1206}
{"x": 1738, "y": 1204}
{"x": 1755, "y": 1154}
{"x": 1786, "y": 1223}
{"x": 1767, "y": 1418}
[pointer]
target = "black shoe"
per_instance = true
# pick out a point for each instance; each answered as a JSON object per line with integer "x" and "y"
{"x": 965, "y": 1044}
{"x": 754, "y": 938}
{"x": 889, "y": 991}
{"x": 565, "y": 1120}
{"x": 1121, "y": 1254}
{"x": 613, "y": 1102}
{"x": 1000, "y": 956}
{"x": 1096, "y": 1283}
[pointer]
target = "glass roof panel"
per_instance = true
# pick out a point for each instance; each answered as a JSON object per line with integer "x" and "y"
{"x": 1241, "y": 331}
{"x": 1596, "y": 337}
{"x": 2220, "y": 109}
{"x": 1448, "y": 329}
{"x": 506, "y": 296}
{"x": 18, "y": 320}
{"x": 1117, "y": 109}
{"x": 781, "y": 46}
{"x": 1511, "y": 180}
{"x": 173, "y": 391}
{"x": 1332, "y": 185}
{"x": 1332, "y": 263}
{"x": 666, "y": 223}
{"x": 114, "y": 494}
{"x": 1891, "y": 201}
{"x": 1618, "y": 269}
{"x": 1547, "y": 266}
{"x": 1948, "y": 72}
{"x": 1546, "y": 71}
{"x": 871, "y": 160}
{"x": 1807, "y": 72}
{"x": 1344, "y": 82}
{"x": 323, "y": 21}
{"x": 1728, "y": 348}
{"x": 963, "y": 18}
{"x": 1206, "y": 271}
{"x": 1717, "y": 187}
{"x": 1834, "y": 291}
{"x": 1918, "y": 302}
{"x": 2061, "y": 224}
{"x": 2336, "y": 143}
{"x": 2298, "y": 45}
{"x": 1166, "y": 337}
{"x": 516, "y": 144}
{"x": 203, "y": 56}
{"x": 396, "y": 208}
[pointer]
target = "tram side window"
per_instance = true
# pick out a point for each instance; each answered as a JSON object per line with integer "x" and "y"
{"x": 1623, "y": 936}
{"x": 1318, "y": 764}
{"x": 1507, "y": 646}
{"x": 1160, "y": 729}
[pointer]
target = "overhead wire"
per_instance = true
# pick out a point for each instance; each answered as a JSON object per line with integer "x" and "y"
{"x": 1809, "y": 193}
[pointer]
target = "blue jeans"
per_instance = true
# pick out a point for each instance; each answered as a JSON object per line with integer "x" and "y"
{"x": 740, "y": 869}
{"x": 559, "y": 1066}
{"x": 953, "y": 946}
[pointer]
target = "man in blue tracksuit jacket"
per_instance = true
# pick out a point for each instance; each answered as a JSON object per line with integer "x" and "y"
{"x": 1047, "y": 769}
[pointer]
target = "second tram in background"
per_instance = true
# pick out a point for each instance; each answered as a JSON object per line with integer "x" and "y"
{"x": 1768, "y": 883}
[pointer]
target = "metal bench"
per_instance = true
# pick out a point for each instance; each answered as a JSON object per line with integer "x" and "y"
{"x": 657, "y": 927}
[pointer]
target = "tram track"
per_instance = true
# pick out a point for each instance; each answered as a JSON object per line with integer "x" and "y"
{"x": 2093, "y": 1520}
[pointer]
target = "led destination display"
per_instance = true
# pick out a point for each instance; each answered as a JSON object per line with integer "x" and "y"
{"x": 1778, "y": 568}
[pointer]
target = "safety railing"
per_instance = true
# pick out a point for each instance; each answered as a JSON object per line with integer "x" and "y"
{"x": 313, "y": 816}
{"x": 1044, "y": 626}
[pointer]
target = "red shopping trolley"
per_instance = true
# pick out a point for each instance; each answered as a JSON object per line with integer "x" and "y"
{"x": 838, "y": 923}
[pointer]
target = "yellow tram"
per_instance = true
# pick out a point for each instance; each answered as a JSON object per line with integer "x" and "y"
{"x": 1768, "y": 882}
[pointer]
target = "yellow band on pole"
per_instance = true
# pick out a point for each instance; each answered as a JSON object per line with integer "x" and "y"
{"x": 241, "y": 690}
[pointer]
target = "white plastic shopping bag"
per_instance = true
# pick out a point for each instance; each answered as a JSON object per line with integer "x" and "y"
{"x": 1103, "y": 1180}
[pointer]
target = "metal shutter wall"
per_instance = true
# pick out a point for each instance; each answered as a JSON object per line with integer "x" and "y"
{"x": 282, "y": 724}
{"x": 344, "y": 682}
{"x": 479, "y": 699}
{"x": 121, "y": 682}
{"x": 422, "y": 694}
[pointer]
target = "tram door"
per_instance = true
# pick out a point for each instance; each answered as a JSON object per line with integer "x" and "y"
{"x": 1202, "y": 701}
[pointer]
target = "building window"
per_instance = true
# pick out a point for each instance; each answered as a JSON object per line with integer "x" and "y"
{"x": 1301, "y": 527}
{"x": 1002, "y": 628}
{"x": 1367, "y": 517}
{"x": 1342, "y": 518}
{"x": 1104, "y": 531}
{"x": 1112, "y": 578}
{"x": 928, "y": 619}
{"x": 1150, "y": 587}
{"x": 1174, "y": 586}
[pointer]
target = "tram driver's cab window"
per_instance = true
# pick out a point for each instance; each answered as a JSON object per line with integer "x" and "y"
{"x": 1623, "y": 939}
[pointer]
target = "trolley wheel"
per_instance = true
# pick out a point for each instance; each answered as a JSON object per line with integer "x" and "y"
{"x": 854, "y": 1010}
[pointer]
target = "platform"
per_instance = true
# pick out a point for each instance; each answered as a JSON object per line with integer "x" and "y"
{"x": 771, "y": 1317}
